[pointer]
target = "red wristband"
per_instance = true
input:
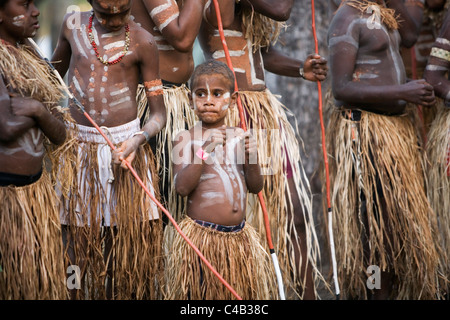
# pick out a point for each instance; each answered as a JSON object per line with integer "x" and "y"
{"x": 202, "y": 154}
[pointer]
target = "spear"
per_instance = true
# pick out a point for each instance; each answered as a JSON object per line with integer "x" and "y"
{"x": 325, "y": 157}
{"x": 244, "y": 127}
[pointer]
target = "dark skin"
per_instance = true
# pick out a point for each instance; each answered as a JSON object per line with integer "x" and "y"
{"x": 411, "y": 17}
{"x": 175, "y": 40}
{"x": 211, "y": 196}
{"x": 254, "y": 65}
{"x": 23, "y": 121}
{"x": 108, "y": 93}
{"x": 435, "y": 4}
{"x": 315, "y": 67}
{"x": 87, "y": 75}
{"x": 368, "y": 74}
{"x": 379, "y": 86}
{"x": 437, "y": 74}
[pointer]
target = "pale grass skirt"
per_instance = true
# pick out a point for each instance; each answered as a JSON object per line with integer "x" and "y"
{"x": 238, "y": 257}
{"x": 31, "y": 248}
{"x": 401, "y": 237}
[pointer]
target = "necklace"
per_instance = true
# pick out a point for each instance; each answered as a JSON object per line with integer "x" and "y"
{"x": 94, "y": 45}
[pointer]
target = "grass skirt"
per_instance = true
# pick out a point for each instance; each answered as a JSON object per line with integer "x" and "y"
{"x": 237, "y": 256}
{"x": 31, "y": 250}
{"x": 278, "y": 148}
{"x": 438, "y": 174}
{"x": 381, "y": 213}
{"x": 136, "y": 257}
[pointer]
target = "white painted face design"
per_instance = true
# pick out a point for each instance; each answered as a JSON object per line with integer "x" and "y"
{"x": 19, "y": 21}
{"x": 226, "y": 96}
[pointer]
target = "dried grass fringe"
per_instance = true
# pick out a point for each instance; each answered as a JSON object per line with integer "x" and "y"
{"x": 387, "y": 15}
{"x": 137, "y": 244}
{"x": 28, "y": 75}
{"x": 31, "y": 250}
{"x": 180, "y": 116}
{"x": 438, "y": 174}
{"x": 262, "y": 31}
{"x": 278, "y": 142}
{"x": 237, "y": 256}
{"x": 401, "y": 238}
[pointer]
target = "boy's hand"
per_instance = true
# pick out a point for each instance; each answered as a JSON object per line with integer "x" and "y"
{"x": 214, "y": 138}
{"x": 251, "y": 147}
{"x": 315, "y": 68}
{"x": 126, "y": 151}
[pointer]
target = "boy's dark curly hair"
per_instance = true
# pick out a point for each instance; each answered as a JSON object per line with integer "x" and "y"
{"x": 213, "y": 67}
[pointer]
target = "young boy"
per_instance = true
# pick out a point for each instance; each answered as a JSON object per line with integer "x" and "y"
{"x": 31, "y": 255}
{"x": 384, "y": 224}
{"x": 438, "y": 146}
{"x": 251, "y": 27}
{"x": 113, "y": 227}
{"x": 214, "y": 167}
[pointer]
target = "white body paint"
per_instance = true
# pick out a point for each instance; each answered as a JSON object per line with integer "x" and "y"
{"x": 30, "y": 143}
{"x": 19, "y": 21}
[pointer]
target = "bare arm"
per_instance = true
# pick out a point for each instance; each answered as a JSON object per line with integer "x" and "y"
{"x": 187, "y": 167}
{"x": 149, "y": 56}
{"x": 149, "y": 65}
{"x": 11, "y": 126}
{"x": 279, "y": 10}
{"x": 50, "y": 125}
{"x": 63, "y": 52}
{"x": 252, "y": 169}
{"x": 344, "y": 46}
{"x": 436, "y": 72}
{"x": 435, "y": 4}
{"x": 315, "y": 67}
{"x": 410, "y": 17}
{"x": 184, "y": 24}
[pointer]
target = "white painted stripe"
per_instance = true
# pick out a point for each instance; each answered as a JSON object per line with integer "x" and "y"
{"x": 443, "y": 41}
{"x": 155, "y": 88}
{"x": 78, "y": 44}
{"x": 169, "y": 20}
{"x": 115, "y": 93}
{"x": 432, "y": 67}
{"x": 233, "y": 53}
{"x": 374, "y": 61}
{"x": 165, "y": 47}
{"x": 117, "y": 44}
{"x": 229, "y": 33}
{"x": 122, "y": 100}
{"x": 78, "y": 87}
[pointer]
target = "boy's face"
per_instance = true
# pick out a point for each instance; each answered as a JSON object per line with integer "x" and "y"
{"x": 211, "y": 98}
{"x": 112, "y": 14}
{"x": 18, "y": 20}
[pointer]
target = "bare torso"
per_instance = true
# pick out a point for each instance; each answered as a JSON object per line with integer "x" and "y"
{"x": 24, "y": 155}
{"x": 365, "y": 55}
{"x": 108, "y": 92}
{"x": 221, "y": 194}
